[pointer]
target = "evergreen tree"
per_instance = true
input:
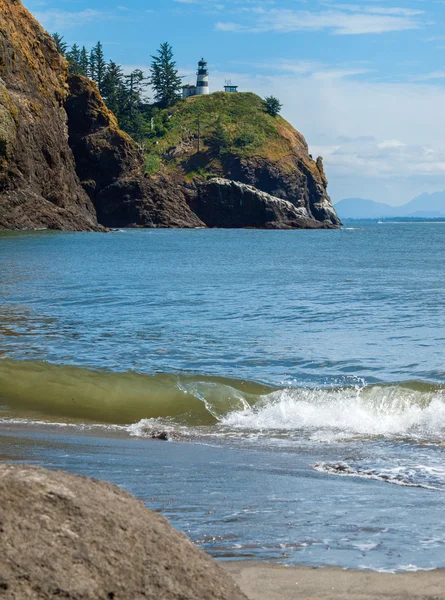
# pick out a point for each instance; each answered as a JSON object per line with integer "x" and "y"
{"x": 132, "y": 119}
{"x": 164, "y": 79}
{"x": 98, "y": 65}
{"x": 92, "y": 72}
{"x": 73, "y": 58}
{"x": 61, "y": 45}
{"x": 135, "y": 84}
{"x": 219, "y": 141}
{"x": 113, "y": 89}
{"x": 84, "y": 62}
{"x": 272, "y": 105}
{"x": 138, "y": 127}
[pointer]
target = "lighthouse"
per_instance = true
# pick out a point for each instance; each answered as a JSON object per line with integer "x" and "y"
{"x": 202, "y": 84}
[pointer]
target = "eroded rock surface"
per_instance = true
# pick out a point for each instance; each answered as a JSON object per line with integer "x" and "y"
{"x": 63, "y": 536}
{"x": 147, "y": 202}
{"x": 295, "y": 178}
{"x": 39, "y": 186}
{"x": 104, "y": 153}
{"x": 111, "y": 167}
{"x": 224, "y": 203}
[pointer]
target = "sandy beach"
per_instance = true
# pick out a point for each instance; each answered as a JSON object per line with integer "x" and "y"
{"x": 270, "y": 582}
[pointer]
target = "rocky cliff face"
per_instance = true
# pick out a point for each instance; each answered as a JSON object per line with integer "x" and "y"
{"x": 39, "y": 186}
{"x": 104, "y": 154}
{"x": 225, "y": 203}
{"x": 148, "y": 202}
{"x": 257, "y": 192}
{"x": 240, "y": 142}
{"x": 111, "y": 166}
{"x": 297, "y": 179}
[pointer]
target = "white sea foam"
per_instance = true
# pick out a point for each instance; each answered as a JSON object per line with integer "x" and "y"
{"x": 335, "y": 413}
{"x": 405, "y": 475}
{"x": 59, "y": 424}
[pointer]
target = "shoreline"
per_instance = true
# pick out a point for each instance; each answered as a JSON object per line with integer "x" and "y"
{"x": 266, "y": 581}
{"x": 229, "y": 524}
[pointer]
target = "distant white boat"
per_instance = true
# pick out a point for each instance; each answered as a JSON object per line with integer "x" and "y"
{"x": 379, "y": 222}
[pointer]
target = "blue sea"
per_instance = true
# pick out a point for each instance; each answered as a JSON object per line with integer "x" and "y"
{"x": 299, "y": 377}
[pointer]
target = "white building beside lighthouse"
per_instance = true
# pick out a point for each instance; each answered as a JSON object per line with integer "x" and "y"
{"x": 202, "y": 82}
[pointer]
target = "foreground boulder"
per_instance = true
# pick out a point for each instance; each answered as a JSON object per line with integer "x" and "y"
{"x": 39, "y": 187}
{"x": 224, "y": 203}
{"x": 63, "y": 536}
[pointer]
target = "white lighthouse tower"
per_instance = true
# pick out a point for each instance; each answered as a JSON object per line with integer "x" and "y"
{"x": 202, "y": 84}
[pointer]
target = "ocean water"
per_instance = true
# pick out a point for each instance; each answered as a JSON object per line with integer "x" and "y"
{"x": 299, "y": 376}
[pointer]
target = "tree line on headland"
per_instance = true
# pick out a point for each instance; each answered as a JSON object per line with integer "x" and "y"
{"x": 125, "y": 94}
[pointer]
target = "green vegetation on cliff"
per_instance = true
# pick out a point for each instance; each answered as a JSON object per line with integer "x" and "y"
{"x": 202, "y": 133}
{"x": 223, "y": 124}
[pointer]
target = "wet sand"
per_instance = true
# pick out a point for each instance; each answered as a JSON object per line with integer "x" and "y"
{"x": 260, "y": 581}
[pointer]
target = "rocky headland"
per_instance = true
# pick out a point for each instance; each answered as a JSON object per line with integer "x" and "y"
{"x": 63, "y": 536}
{"x": 214, "y": 161}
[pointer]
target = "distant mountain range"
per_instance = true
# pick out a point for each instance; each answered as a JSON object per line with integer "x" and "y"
{"x": 425, "y": 206}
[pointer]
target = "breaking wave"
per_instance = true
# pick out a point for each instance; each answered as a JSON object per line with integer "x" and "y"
{"x": 411, "y": 409}
{"x": 36, "y": 389}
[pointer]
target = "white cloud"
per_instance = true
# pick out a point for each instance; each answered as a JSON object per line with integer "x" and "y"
{"x": 342, "y": 20}
{"x": 431, "y": 76}
{"x": 379, "y": 140}
{"x": 380, "y": 10}
{"x": 391, "y": 144}
{"x": 314, "y": 69}
{"x": 54, "y": 20}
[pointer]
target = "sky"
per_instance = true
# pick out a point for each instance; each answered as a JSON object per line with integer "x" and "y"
{"x": 364, "y": 83}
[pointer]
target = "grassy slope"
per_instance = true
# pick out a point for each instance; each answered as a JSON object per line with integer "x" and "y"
{"x": 249, "y": 132}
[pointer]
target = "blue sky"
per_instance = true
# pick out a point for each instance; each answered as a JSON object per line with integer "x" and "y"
{"x": 365, "y": 83}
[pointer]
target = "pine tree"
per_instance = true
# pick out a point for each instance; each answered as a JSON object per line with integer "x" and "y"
{"x": 272, "y": 105}
{"x": 73, "y": 58}
{"x": 164, "y": 78}
{"x": 135, "y": 84}
{"x": 219, "y": 141}
{"x": 98, "y": 65}
{"x": 84, "y": 62}
{"x": 61, "y": 45}
{"x": 132, "y": 118}
{"x": 113, "y": 90}
{"x": 92, "y": 72}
